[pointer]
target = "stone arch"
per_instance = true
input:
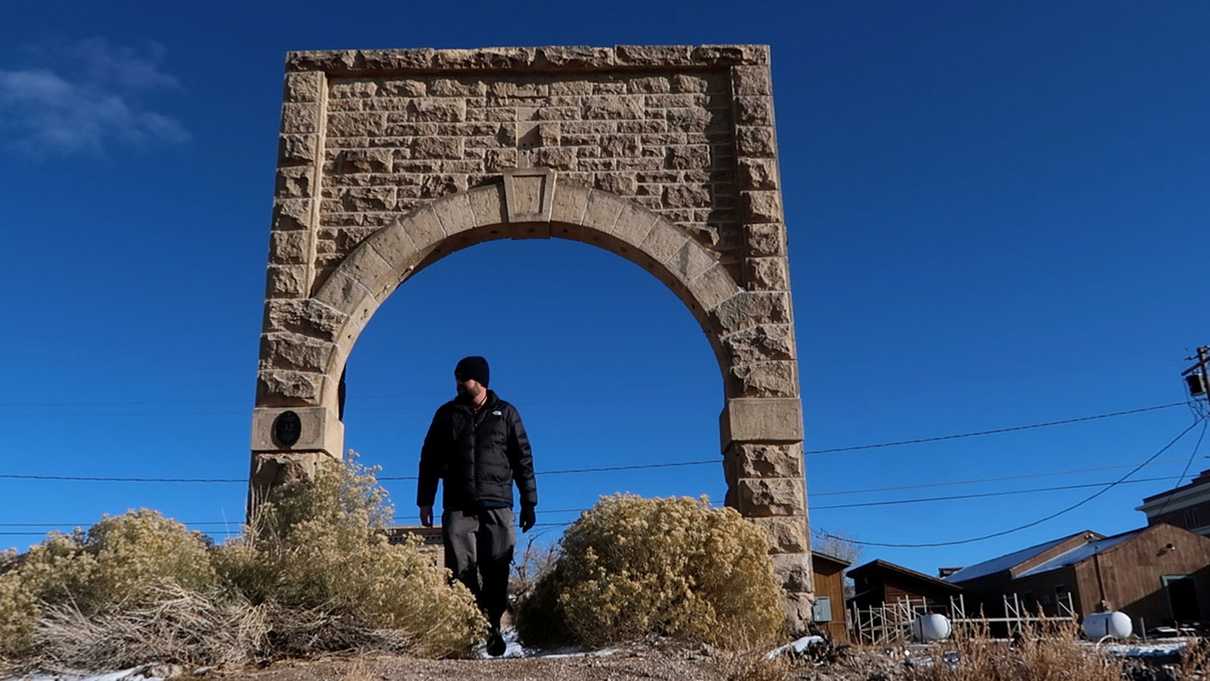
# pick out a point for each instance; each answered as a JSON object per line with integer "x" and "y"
{"x": 522, "y": 204}
{"x": 665, "y": 155}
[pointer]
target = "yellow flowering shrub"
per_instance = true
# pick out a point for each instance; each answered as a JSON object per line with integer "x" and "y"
{"x": 676, "y": 567}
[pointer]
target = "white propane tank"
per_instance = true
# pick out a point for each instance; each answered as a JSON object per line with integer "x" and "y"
{"x": 1114, "y": 624}
{"x": 928, "y": 628}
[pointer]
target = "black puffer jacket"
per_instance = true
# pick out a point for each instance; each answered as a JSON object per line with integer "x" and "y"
{"x": 478, "y": 455}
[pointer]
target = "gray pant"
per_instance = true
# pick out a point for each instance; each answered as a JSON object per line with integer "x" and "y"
{"x": 479, "y": 551}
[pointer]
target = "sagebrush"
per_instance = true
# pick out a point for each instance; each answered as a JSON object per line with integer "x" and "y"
{"x": 632, "y": 567}
{"x": 313, "y": 572}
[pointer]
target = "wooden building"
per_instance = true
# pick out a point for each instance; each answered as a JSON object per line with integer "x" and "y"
{"x": 881, "y": 582}
{"x": 829, "y": 610}
{"x": 1187, "y": 506}
{"x": 1158, "y": 574}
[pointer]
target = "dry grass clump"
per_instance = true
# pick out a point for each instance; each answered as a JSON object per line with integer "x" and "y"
{"x": 1052, "y": 654}
{"x": 121, "y": 559}
{"x": 313, "y": 573}
{"x": 631, "y": 567}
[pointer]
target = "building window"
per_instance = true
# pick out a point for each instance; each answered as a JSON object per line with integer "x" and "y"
{"x": 822, "y": 610}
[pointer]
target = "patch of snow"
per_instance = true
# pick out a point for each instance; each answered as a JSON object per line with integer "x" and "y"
{"x": 1142, "y": 649}
{"x": 796, "y": 647}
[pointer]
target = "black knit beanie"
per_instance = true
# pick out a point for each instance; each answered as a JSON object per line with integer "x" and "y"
{"x": 472, "y": 367}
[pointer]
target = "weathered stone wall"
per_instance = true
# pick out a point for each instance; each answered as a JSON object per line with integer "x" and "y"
{"x": 391, "y": 159}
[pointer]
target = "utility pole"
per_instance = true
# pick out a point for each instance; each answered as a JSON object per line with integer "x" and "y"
{"x": 1197, "y": 379}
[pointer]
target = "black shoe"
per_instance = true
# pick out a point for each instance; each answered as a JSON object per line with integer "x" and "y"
{"x": 495, "y": 643}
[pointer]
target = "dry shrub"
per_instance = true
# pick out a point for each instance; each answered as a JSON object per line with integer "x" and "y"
{"x": 320, "y": 546}
{"x": 630, "y": 567}
{"x": 1054, "y": 653}
{"x": 120, "y": 560}
{"x": 176, "y": 625}
{"x": 752, "y": 664}
{"x": 313, "y": 573}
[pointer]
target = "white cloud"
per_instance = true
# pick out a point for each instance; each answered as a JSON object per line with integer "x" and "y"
{"x": 95, "y": 99}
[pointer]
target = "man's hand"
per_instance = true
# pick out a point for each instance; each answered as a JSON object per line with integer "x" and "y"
{"x": 528, "y": 518}
{"x": 426, "y": 516}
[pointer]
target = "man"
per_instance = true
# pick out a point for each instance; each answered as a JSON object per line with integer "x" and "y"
{"x": 478, "y": 446}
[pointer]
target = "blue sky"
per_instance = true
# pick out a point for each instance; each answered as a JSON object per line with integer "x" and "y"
{"x": 995, "y": 215}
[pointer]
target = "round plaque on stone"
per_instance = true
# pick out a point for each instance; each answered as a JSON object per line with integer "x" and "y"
{"x": 287, "y": 428}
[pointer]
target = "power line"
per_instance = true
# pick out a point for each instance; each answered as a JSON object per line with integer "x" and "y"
{"x": 1188, "y": 464}
{"x": 1034, "y": 523}
{"x": 996, "y": 431}
{"x": 105, "y": 478}
{"x": 984, "y": 495}
{"x": 970, "y": 481}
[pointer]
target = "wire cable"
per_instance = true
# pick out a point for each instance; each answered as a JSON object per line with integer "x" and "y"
{"x": 1034, "y": 523}
{"x": 1185, "y": 471}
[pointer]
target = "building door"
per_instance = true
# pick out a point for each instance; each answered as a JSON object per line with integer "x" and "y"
{"x": 1182, "y": 596}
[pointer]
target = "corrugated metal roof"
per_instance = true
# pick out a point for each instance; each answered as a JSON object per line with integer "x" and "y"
{"x": 1007, "y": 561}
{"x": 1080, "y": 553}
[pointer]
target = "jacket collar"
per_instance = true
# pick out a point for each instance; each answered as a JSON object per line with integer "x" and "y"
{"x": 492, "y": 399}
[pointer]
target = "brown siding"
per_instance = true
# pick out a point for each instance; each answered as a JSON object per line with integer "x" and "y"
{"x": 829, "y": 582}
{"x": 1131, "y": 572}
{"x": 1189, "y": 518}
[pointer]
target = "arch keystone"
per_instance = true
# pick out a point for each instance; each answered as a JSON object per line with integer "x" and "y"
{"x": 529, "y": 194}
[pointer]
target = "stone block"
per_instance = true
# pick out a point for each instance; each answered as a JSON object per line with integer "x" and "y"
{"x": 363, "y": 161}
{"x": 356, "y": 124}
{"x": 286, "y": 350}
{"x": 487, "y": 204}
{"x": 369, "y": 269}
{"x": 432, "y": 110}
{"x": 424, "y": 228}
{"x": 664, "y": 241}
{"x": 603, "y": 211}
{"x": 761, "y": 419}
{"x": 764, "y": 379}
{"x": 757, "y": 173}
{"x": 342, "y": 291}
{"x": 557, "y": 158}
{"x": 620, "y": 145}
{"x": 286, "y": 281}
{"x": 395, "y": 247}
{"x": 754, "y": 111}
{"x": 764, "y": 460}
{"x": 793, "y": 571}
{"x": 766, "y": 274}
{"x": 686, "y": 196}
{"x": 649, "y": 85}
{"x": 353, "y": 89}
{"x": 292, "y": 214}
{"x": 765, "y": 239}
{"x": 653, "y": 55}
{"x": 575, "y": 56}
{"x": 767, "y": 497}
{"x": 300, "y": 118}
{"x": 799, "y": 609}
{"x": 295, "y": 182}
{"x": 755, "y": 141}
{"x": 713, "y": 287}
{"x": 750, "y": 80}
{"x": 691, "y": 261}
{"x": 461, "y": 87}
{"x": 306, "y": 316}
{"x": 321, "y": 430}
{"x": 731, "y": 54}
{"x": 304, "y": 86}
{"x": 361, "y": 199}
{"x": 529, "y": 194}
{"x": 622, "y": 184}
{"x": 270, "y": 470}
{"x": 437, "y": 147}
{"x": 760, "y": 343}
{"x": 786, "y": 534}
{"x": 612, "y": 107}
{"x": 294, "y": 149}
{"x": 405, "y": 87}
{"x": 276, "y": 387}
{"x": 691, "y": 157}
{"x": 289, "y": 248}
{"x": 634, "y": 223}
{"x": 750, "y": 308}
{"x": 454, "y": 213}
{"x": 761, "y": 207}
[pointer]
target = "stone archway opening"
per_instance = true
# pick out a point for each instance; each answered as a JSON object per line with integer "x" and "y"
{"x": 391, "y": 160}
